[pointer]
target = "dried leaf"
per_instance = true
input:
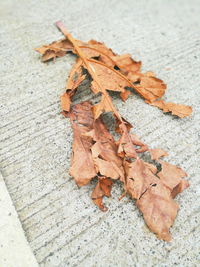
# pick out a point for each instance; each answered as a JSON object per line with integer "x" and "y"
{"x": 124, "y": 95}
{"x": 103, "y": 188}
{"x": 176, "y": 109}
{"x": 126, "y": 64}
{"x": 150, "y": 87}
{"x": 104, "y": 152}
{"x": 82, "y": 165}
{"x": 159, "y": 210}
{"x": 108, "y": 78}
{"x": 74, "y": 80}
{"x": 76, "y": 76}
{"x": 139, "y": 177}
{"x": 65, "y": 102}
{"x": 171, "y": 175}
{"x": 55, "y": 49}
{"x": 157, "y": 153}
{"x": 125, "y": 145}
{"x": 95, "y": 152}
{"x": 98, "y": 50}
{"x": 137, "y": 142}
{"x": 179, "y": 188}
{"x": 102, "y": 106}
{"x": 153, "y": 198}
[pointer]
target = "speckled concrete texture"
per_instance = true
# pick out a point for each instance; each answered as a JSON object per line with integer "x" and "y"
{"x": 14, "y": 248}
{"x": 61, "y": 223}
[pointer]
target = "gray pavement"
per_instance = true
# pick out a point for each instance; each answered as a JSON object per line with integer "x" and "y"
{"x": 60, "y": 222}
{"x": 14, "y": 248}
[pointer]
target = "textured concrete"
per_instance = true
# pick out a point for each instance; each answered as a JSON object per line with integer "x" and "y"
{"x": 62, "y": 225}
{"x": 14, "y": 249}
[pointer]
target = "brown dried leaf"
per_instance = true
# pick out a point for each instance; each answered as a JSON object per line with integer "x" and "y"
{"x": 82, "y": 165}
{"x": 153, "y": 198}
{"x": 171, "y": 175}
{"x": 104, "y": 152}
{"x": 125, "y": 145}
{"x": 139, "y": 177}
{"x": 148, "y": 85}
{"x": 108, "y": 78}
{"x": 76, "y": 76}
{"x": 65, "y": 102}
{"x": 137, "y": 142}
{"x": 102, "y": 106}
{"x": 176, "y": 109}
{"x": 124, "y": 95}
{"x": 55, "y": 49}
{"x": 103, "y": 188}
{"x": 95, "y": 153}
{"x": 159, "y": 210}
{"x": 157, "y": 153}
{"x": 74, "y": 80}
{"x": 94, "y": 49}
{"x": 126, "y": 64}
{"x": 179, "y": 188}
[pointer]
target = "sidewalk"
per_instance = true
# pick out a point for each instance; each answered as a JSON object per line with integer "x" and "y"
{"x": 14, "y": 248}
{"x": 61, "y": 224}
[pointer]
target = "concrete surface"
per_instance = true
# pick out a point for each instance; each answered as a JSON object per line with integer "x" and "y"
{"x": 14, "y": 248}
{"x": 61, "y": 223}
